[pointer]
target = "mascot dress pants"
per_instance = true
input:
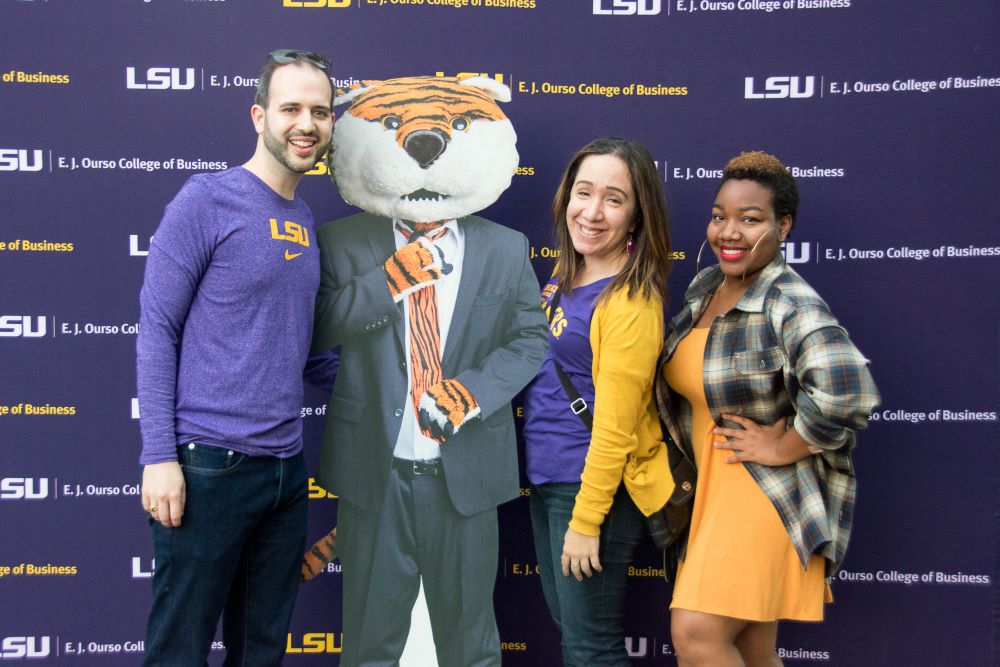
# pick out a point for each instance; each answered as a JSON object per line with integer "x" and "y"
{"x": 417, "y": 533}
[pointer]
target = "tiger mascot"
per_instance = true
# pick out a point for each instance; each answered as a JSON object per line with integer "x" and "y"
{"x": 412, "y": 149}
{"x": 420, "y": 150}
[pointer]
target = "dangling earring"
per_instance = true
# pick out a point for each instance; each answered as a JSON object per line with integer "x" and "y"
{"x": 772, "y": 229}
{"x": 697, "y": 261}
{"x": 630, "y": 244}
{"x": 697, "y": 265}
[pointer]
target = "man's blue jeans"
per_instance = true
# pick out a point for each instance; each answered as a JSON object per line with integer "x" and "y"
{"x": 236, "y": 554}
{"x": 590, "y": 614}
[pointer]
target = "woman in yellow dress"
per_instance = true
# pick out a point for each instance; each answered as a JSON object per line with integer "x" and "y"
{"x": 762, "y": 385}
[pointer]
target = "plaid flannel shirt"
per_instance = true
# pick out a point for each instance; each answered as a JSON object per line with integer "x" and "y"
{"x": 780, "y": 353}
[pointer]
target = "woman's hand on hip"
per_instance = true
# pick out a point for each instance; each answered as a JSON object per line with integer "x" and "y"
{"x": 774, "y": 445}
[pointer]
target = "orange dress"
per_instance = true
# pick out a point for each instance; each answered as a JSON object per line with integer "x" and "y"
{"x": 740, "y": 561}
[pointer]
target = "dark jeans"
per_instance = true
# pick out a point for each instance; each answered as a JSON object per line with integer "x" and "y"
{"x": 236, "y": 554}
{"x": 590, "y": 613}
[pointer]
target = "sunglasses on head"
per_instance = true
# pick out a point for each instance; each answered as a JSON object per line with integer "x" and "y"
{"x": 285, "y": 56}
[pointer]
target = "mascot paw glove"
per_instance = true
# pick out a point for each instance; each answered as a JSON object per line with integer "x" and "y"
{"x": 319, "y": 556}
{"x": 414, "y": 266}
{"x": 445, "y": 407}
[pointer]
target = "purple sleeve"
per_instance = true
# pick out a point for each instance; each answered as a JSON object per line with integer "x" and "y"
{"x": 321, "y": 369}
{"x": 178, "y": 256}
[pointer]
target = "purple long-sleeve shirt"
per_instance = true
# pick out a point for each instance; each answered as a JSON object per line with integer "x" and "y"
{"x": 226, "y": 319}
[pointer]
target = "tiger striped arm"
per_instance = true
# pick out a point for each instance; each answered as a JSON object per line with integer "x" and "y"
{"x": 445, "y": 407}
{"x": 319, "y": 556}
{"x": 414, "y": 266}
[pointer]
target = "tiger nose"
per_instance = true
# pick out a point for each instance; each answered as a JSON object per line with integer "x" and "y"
{"x": 425, "y": 146}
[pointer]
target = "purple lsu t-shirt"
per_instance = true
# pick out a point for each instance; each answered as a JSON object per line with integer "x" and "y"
{"x": 555, "y": 439}
{"x": 226, "y": 319}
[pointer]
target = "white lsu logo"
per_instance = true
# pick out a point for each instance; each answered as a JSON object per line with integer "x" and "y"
{"x": 25, "y": 647}
{"x": 133, "y": 246}
{"x": 138, "y": 572}
{"x": 795, "y": 255}
{"x": 780, "y": 87}
{"x": 19, "y": 159}
{"x": 17, "y": 326}
{"x": 627, "y": 7}
{"x": 637, "y": 647}
{"x": 23, "y": 488}
{"x": 161, "y": 78}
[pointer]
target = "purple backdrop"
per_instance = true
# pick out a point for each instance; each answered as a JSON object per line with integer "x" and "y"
{"x": 887, "y": 111}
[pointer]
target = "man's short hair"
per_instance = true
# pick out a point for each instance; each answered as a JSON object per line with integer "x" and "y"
{"x": 283, "y": 57}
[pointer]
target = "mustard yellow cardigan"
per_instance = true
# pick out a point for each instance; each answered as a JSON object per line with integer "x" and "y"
{"x": 626, "y": 335}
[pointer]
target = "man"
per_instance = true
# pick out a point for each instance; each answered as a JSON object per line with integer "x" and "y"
{"x": 419, "y": 486}
{"x": 226, "y": 317}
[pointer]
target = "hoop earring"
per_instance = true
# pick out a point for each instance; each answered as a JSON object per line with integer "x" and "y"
{"x": 697, "y": 261}
{"x": 772, "y": 229}
{"x": 697, "y": 266}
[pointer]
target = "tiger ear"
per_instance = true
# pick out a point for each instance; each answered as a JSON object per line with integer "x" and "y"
{"x": 497, "y": 90}
{"x": 345, "y": 95}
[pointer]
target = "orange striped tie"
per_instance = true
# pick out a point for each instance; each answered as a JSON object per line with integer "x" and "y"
{"x": 425, "y": 329}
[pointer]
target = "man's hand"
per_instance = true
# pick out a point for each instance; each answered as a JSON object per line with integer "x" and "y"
{"x": 164, "y": 493}
{"x": 445, "y": 407}
{"x": 414, "y": 266}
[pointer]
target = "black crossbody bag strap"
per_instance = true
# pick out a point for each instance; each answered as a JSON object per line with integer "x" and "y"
{"x": 577, "y": 405}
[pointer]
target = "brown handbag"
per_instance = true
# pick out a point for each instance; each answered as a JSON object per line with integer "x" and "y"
{"x": 668, "y": 526}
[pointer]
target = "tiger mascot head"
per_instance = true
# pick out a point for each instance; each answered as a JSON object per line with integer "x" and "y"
{"x": 423, "y": 148}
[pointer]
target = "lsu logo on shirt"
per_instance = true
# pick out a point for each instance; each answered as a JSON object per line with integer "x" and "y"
{"x": 557, "y": 322}
{"x": 290, "y": 231}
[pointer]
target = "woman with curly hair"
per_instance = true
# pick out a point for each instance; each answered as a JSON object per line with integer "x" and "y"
{"x": 764, "y": 388}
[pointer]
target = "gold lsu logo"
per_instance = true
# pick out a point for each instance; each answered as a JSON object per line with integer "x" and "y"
{"x": 321, "y": 167}
{"x": 317, "y": 491}
{"x": 293, "y": 232}
{"x": 315, "y": 642}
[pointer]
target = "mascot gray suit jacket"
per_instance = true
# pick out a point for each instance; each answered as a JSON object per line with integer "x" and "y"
{"x": 495, "y": 345}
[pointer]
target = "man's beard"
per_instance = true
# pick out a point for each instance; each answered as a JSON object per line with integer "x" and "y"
{"x": 279, "y": 150}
